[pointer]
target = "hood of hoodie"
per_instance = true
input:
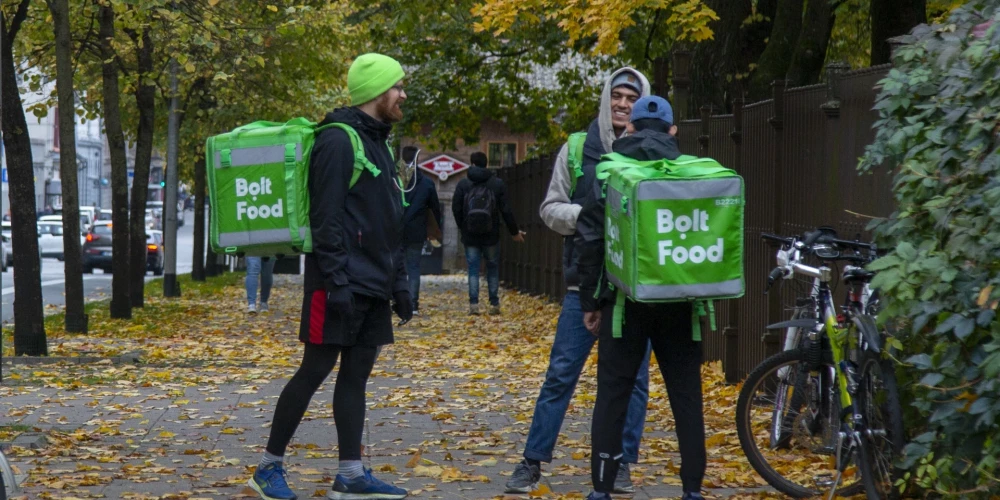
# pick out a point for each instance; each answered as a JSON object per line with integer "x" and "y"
{"x": 479, "y": 174}
{"x": 360, "y": 122}
{"x": 604, "y": 118}
{"x": 648, "y": 145}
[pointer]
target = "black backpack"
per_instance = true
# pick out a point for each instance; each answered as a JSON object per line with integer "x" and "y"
{"x": 480, "y": 203}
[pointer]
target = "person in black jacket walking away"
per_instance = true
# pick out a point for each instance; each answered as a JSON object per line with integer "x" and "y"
{"x": 478, "y": 204}
{"x": 421, "y": 196}
{"x": 355, "y": 268}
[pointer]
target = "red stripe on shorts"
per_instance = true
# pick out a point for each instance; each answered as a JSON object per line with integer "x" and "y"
{"x": 317, "y": 316}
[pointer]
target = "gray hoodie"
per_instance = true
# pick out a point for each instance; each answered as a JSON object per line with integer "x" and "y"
{"x": 558, "y": 210}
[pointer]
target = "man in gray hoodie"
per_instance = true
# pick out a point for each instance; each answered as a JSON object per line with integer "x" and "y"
{"x": 573, "y": 343}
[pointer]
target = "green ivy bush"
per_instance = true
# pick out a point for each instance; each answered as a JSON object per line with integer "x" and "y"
{"x": 938, "y": 135}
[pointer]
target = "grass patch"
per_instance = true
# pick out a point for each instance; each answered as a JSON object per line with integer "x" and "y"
{"x": 196, "y": 298}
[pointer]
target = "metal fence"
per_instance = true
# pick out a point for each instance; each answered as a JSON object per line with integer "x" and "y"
{"x": 798, "y": 154}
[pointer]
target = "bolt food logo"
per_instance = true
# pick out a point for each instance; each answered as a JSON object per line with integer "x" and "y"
{"x": 253, "y": 189}
{"x": 697, "y": 221}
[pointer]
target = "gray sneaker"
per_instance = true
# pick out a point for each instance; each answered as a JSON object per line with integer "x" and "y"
{"x": 494, "y": 310}
{"x": 251, "y": 309}
{"x": 525, "y": 478}
{"x": 474, "y": 309}
{"x": 623, "y": 481}
{"x": 263, "y": 307}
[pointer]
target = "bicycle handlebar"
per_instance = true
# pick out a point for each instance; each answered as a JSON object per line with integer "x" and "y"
{"x": 779, "y": 239}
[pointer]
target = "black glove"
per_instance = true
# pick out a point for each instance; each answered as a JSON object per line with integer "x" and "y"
{"x": 340, "y": 301}
{"x": 403, "y": 306}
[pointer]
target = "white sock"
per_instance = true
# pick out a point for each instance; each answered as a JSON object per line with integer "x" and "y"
{"x": 351, "y": 469}
{"x": 269, "y": 459}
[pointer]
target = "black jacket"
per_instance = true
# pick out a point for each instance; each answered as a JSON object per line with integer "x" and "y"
{"x": 593, "y": 150}
{"x": 479, "y": 175}
{"x": 355, "y": 232}
{"x": 421, "y": 198}
{"x": 645, "y": 145}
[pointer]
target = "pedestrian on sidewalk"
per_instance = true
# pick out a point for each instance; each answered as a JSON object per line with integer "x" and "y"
{"x": 350, "y": 278}
{"x": 573, "y": 343}
{"x": 667, "y": 326}
{"x": 259, "y": 269}
{"x": 480, "y": 200}
{"x": 422, "y": 197}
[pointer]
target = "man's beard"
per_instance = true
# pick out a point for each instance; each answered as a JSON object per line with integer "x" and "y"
{"x": 387, "y": 112}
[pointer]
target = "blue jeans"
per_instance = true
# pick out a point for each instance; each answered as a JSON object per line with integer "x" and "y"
{"x": 570, "y": 350}
{"x": 413, "y": 255}
{"x": 257, "y": 269}
{"x": 474, "y": 255}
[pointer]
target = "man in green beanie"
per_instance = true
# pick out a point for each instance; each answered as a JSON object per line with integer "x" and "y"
{"x": 354, "y": 274}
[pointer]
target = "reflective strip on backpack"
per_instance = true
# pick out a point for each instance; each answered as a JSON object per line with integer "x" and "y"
{"x": 680, "y": 292}
{"x": 261, "y": 155}
{"x": 674, "y": 190}
{"x": 263, "y": 236}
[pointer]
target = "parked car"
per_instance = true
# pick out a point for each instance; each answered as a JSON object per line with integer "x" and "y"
{"x": 50, "y": 239}
{"x": 8, "y": 244}
{"x": 157, "y": 208}
{"x": 97, "y": 251}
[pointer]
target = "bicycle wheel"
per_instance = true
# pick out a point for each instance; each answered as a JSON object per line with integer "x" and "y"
{"x": 882, "y": 436}
{"x": 3, "y": 488}
{"x": 801, "y": 461}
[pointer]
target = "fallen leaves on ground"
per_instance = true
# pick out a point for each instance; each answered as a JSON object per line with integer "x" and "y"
{"x": 475, "y": 378}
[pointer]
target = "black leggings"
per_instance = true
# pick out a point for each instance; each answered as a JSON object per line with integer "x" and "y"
{"x": 668, "y": 327}
{"x": 348, "y": 396}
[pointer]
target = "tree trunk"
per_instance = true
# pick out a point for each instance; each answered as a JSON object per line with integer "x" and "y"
{"x": 774, "y": 62}
{"x": 144, "y": 96}
{"x": 29, "y": 328}
{"x": 198, "y": 259}
{"x": 719, "y": 60}
{"x": 810, "y": 52}
{"x": 75, "y": 318}
{"x": 893, "y": 18}
{"x": 120, "y": 300}
{"x": 211, "y": 268}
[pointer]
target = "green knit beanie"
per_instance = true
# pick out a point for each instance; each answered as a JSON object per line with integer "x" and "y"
{"x": 370, "y": 75}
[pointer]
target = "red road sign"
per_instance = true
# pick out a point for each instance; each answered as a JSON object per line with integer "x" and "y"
{"x": 443, "y": 166}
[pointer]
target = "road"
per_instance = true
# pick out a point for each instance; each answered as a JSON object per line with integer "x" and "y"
{"x": 96, "y": 286}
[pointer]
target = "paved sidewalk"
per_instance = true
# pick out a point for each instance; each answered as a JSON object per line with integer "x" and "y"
{"x": 448, "y": 413}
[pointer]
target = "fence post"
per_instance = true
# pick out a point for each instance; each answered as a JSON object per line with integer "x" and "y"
{"x": 682, "y": 84}
{"x": 777, "y": 121}
{"x": 661, "y": 81}
{"x": 704, "y": 138}
{"x": 834, "y": 73}
{"x": 731, "y": 333}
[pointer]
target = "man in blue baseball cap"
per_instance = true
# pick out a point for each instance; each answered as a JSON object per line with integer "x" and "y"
{"x": 667, "y": 326}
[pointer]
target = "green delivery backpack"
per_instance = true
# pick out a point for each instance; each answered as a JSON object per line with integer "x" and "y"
{"x": 674, "y": 231}
{"x": 258, "y": 186}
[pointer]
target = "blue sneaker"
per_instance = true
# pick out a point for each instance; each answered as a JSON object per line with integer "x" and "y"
{"x": 364, "y": 487}
{"x": 598, "y": 496}
{"x": 692, "y": 495}
{"x": 270, "y": 483}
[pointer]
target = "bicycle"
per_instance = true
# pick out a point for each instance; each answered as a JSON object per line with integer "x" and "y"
{"x": 836, "y": 372}
{"x": 8, "y": 483}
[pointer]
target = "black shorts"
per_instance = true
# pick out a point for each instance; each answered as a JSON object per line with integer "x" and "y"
{"x": 369, "y": 324}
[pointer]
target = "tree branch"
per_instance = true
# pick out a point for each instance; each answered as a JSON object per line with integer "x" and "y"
{"x": 15, "y": 23}
{"x": 652, "y": 31}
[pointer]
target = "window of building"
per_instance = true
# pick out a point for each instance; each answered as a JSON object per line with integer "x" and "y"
{"x": 502, "y": 154}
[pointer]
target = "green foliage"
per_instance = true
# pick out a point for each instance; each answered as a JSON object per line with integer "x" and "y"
{"x": 458, "y": 76}
{"x": 938, "y": 134}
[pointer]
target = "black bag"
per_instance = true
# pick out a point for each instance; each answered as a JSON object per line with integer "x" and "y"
{"x": 480, "y": 203}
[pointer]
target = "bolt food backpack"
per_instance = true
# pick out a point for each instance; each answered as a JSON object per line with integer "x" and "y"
{"x": 258, "y": 178}
{"x": 674, "y": 230}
